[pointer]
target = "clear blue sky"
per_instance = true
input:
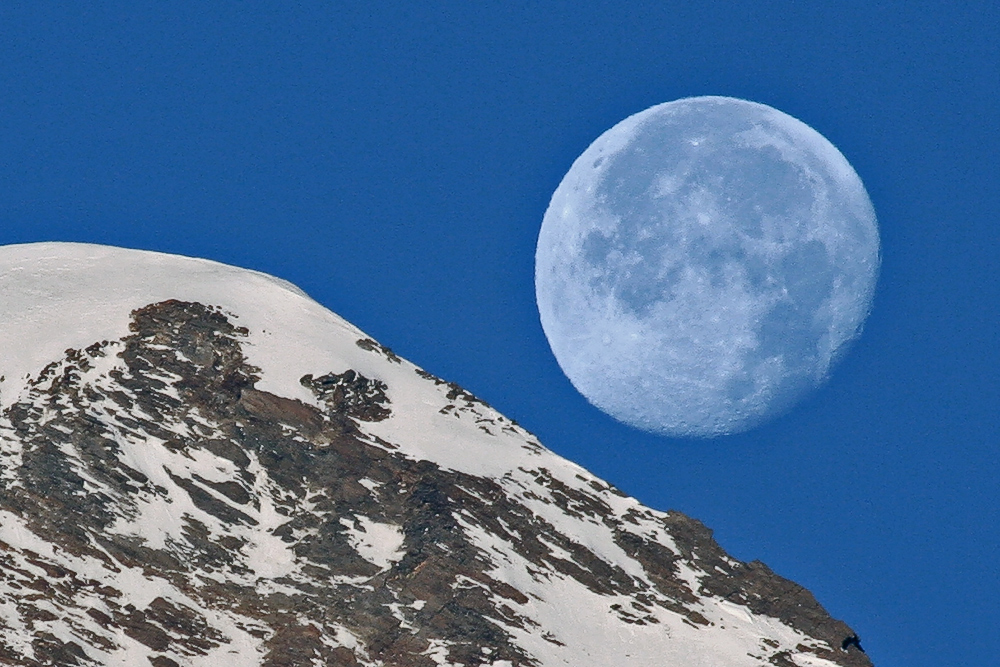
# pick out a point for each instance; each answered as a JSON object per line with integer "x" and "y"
{"x": 395, "y": 160}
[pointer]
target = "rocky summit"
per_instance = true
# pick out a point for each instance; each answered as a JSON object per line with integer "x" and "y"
{"x": 199, "y": 465}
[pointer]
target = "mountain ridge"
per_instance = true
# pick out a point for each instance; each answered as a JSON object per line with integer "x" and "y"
{"x": 189, "y": 490}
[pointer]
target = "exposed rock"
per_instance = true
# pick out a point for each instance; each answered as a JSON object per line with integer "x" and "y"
{"x": 170, "y": 511}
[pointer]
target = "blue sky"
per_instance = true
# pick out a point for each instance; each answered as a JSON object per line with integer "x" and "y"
{"x": 395, "y": 161}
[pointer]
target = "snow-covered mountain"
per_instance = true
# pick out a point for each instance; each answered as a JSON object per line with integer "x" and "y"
{"x": 199, "y": 465}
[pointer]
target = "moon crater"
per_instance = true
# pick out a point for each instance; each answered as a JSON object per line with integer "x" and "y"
{"x": 703, "y": 264}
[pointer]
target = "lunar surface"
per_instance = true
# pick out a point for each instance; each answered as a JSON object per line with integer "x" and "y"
{"x": 703, "y": 264}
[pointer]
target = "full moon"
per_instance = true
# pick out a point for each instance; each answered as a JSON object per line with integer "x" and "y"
{"x": 703, "y": 265}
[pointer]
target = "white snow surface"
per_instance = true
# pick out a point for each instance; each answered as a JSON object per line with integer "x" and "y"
{"x": 70, "y": 295}
{"x": 62, "y": 295}
{"x": 55, "y": 296}
{"x": 378, "y": 543}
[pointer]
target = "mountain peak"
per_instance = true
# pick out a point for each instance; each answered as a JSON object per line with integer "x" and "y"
{"x": 199, "y": 465}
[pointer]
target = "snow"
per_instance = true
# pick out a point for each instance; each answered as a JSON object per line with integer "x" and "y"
{"x": 270, "y": 557}
{"x": 161, "y": 520}
{"x": 438, "y": 652}
{"x": 378, "y": 543}
{"x": 64, "y": 295}
{"x": 27, "y": 550}
{"x": 575, "y": 626}
{"x": 806, "y": 660}
{"x": 70, "y": 295}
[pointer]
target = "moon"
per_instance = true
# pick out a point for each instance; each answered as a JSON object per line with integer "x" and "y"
{"x": 703, "y": 265}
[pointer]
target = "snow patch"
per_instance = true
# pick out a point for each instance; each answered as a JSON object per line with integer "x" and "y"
{"x": 806, "y": 660}
{"x": 378, "y": 543}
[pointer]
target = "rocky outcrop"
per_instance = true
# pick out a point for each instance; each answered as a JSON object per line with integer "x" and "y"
{"x": 159, "y": 508}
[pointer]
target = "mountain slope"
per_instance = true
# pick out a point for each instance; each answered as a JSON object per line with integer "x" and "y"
{"x": 199, "y": 465}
